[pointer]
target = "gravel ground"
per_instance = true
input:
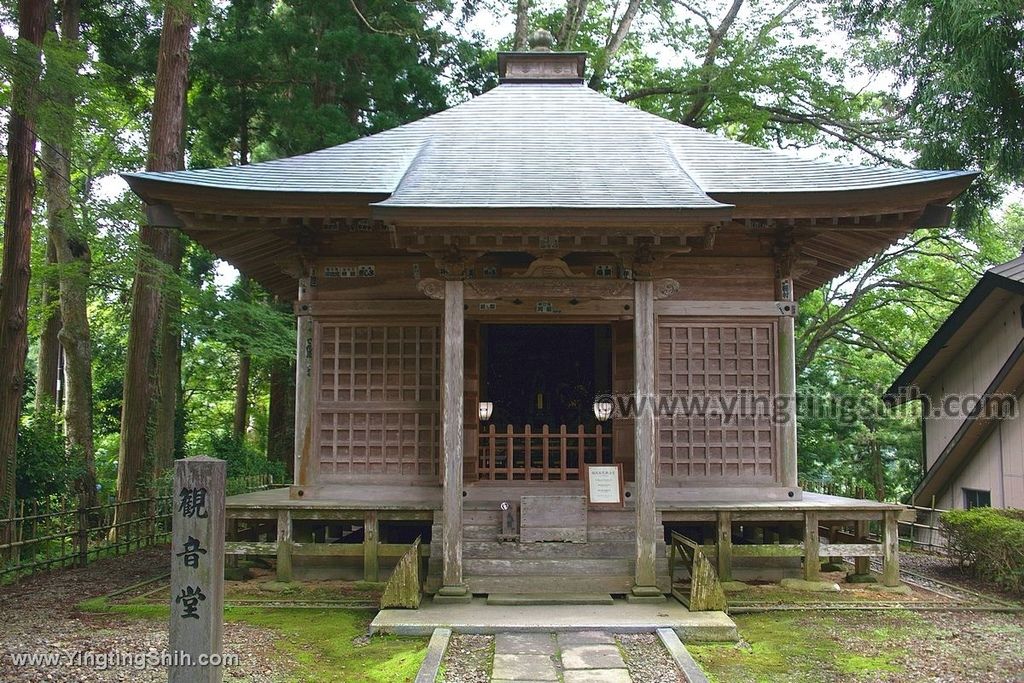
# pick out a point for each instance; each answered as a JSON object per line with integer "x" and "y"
{"x": 468, "y": 659}
{"x": 982, "y": 648}
{"x": 38, "y": 615}
{"x": 647, "y": 659}
{"x": 940, "y": 567}
{"x": 947, "y": 647}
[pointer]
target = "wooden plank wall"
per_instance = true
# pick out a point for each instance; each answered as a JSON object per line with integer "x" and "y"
{"x": 710, "y": 278}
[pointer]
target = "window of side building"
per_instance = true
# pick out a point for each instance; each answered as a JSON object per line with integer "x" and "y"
{"x": 976, "y": 498}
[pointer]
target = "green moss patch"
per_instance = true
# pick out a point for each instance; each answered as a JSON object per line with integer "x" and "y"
{"x": 810, "y": 647}
{"x": 326, "y": 644}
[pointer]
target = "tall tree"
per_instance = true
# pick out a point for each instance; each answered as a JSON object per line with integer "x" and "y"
{"x": 70, "y": 242}
{"x": 157, "y": 249}
{"x": 168, "y": 372}
{"x": 281, "y": 414}
{"x": 754, "y": 71}
{"x": 963, "y": 63}
{"x": 519, "y": 38}
{"x": 21, "y": 145}
{"x": 241, "y": 412}
{"x": 48, "y": 364}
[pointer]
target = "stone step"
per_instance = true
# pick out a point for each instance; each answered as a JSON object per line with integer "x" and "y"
{"x": 492, "y": 550}
{"x": 551, "y": 584}
{"x": 533, "y": 567}
{"x": 512, "y": 599}
{"x": 476, "y": 532}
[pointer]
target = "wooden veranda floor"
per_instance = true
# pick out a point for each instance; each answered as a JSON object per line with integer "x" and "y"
{"x": 735, "y": 534}
{"x": 399, "y": 498}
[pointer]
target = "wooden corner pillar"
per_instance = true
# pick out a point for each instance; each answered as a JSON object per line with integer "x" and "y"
{"x": 790, "y": 266}
{"x": 646, "y": 452}
{"x": 305, "y": 393}
{"x": 812, "y": 547}
{"x": 453, "y": 588}
{"x": 787, "y": 391}
{"x": 890, "y": 549}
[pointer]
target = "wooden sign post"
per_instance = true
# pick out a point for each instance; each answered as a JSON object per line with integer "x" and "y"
{"x": 197, "y": 571}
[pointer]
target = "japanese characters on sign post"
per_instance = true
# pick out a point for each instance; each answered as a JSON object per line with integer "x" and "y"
{"x": 197, "y": 570}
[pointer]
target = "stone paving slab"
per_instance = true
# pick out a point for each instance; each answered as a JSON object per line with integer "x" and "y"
{"x": 524, "y": 643}
{"x": 524, "y": 668}
{"x": 602, "y": 656}
{"x": 597, "y": 676}
{"x": 573, "y": 638}
{"x": 478, "y": 617}
{"x": 681, "y": 656}
{"x": 435, "y": 653}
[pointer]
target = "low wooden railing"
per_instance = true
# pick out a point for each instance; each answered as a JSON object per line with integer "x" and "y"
{"x": 60, "y": 531}
{"x": 705, "y": 590}
{"x": 524, "y": 454}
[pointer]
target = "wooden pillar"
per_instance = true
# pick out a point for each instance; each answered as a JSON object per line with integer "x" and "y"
{"x": 812, "y": 561}
{"x": 787, "y": 387}
{"x": 284, "y": 545}
{"x": 724, "y": 534}
{"x": 862, "y": 565}
{"x": 890, "y": 550}
{"x": 305, "y": 395}
{"x": 645, "y": 441}
{"x": 197, "y": 569}
{"x": 452, "y": 380}
{"x": 371, "y": 567}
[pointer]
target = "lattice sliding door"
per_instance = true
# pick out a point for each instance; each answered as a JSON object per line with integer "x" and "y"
{"x": 377, "y": 400}
{"x": 719, "y": 376}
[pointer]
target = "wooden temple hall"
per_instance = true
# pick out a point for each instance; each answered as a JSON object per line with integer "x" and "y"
{"x": 480, "y": 293}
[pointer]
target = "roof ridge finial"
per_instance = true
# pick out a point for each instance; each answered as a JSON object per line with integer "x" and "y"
{"x": 541, "y": 40}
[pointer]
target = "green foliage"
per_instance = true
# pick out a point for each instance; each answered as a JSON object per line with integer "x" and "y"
{"x": 275, "y": 79}
{"x": 853, "y": 340}
{"x": 964, "y": 62}
{"x": 766, "y": 80}
{"x": 244, "y": 459}
{"x": 44, "y": 466}
{"x": 988, "y": 543}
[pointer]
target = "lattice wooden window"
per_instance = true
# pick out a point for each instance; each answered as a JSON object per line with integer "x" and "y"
{"x": 378, "y": 395}
{"x": 707, "y": 368}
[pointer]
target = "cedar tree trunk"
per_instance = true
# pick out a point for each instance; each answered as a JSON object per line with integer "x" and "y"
{"x": 165, "y": 154}
{"x": 16, "y": 270}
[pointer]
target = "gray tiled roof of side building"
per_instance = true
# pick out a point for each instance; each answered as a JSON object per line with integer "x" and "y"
{"x": 1011, "y": 270}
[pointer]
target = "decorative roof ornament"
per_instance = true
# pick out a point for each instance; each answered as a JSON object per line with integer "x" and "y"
{"x": 541, "y": 64}
{"x": 541, "y": 40}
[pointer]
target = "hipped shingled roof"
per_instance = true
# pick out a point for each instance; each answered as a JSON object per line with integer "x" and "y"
{"x": 542, "y": 151}
{"x": 550, "y": 145}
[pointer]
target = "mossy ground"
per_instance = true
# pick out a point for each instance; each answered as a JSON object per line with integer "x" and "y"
{"x": 326, "y": 644}
{"x": 814, "y": 646}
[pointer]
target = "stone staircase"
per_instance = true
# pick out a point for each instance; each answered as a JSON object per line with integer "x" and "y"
{"x": 602, "y": 565}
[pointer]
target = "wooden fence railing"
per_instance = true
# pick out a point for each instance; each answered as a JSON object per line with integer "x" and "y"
{"x": 60, "y": 532}
{"x": 924, "y": 532}
{"x": 527, "y": 455}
